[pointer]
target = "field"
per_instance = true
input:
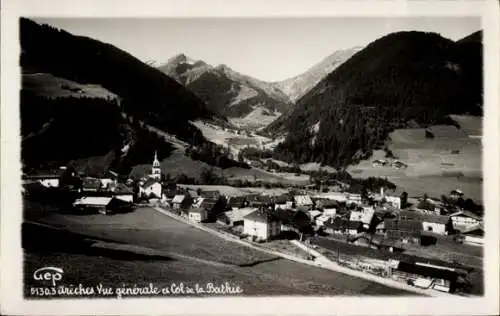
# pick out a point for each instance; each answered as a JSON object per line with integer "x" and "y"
{"x": 471, "y": 125}
{"x": 158, "y": 249}
{"x": 255, "y": 120}
{"x": 436, "y": 166}
{"x": 228, "y": 138}
{"x": 44, "y": 84}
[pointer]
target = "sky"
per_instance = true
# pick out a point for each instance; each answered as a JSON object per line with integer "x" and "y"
{"x": 269, "y": 49}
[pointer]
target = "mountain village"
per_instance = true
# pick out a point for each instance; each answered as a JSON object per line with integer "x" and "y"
{"x": 361, "y": 175}
{"x": 376, "y": 233}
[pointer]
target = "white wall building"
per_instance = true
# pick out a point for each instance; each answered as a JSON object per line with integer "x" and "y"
{"x": 197, "y": 214}
{"x": 50, "y": 182}
{"x": 261, "y": 224}
{"x": 463, "y": 220}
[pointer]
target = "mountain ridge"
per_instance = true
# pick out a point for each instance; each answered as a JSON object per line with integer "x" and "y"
{"x": 399, "y": 79}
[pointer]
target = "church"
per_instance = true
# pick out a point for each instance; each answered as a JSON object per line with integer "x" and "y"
{"x": 152, "y": 187}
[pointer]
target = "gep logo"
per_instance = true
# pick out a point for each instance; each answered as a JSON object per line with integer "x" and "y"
{"x": 52, "y": 274}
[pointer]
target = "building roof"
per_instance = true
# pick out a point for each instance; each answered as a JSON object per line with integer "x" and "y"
{"x": 261, "y": 216}
{"x": 93, "y": 201}
{"x": 303, "y": 200}
{"x": 179, "y": 198}
{"x": 239, "y": 214}
{"x": 340, "y": 223}
{"x": 149, "y": 182}
{"x": 466, "y": 214}
{"x": 477, "y": 228}
{"x": 403, "y": 225}
{"x": 209, "y": 193}
{"x": 431, "y": 218}
{"x": 236, "y": 201}
{"x": 315, "y": 213}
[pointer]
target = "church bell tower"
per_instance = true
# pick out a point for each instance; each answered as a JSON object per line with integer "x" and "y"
{"x": 156, "y": 170}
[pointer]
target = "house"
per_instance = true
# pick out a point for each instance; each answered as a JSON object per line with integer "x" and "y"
{"x": 236, "y": 202}
{"x": 342, "y": 226}
{"x": 330, "y": 212}
{"x": 474, "y": 235}
{"x": 438, "y": 224}
{"x": 91, "y": 184}
{"x": 364, "y": 215}
{"x": 49, "y": 181}
{"x": 235, "y": 217}
{"x": 456, "y": 194}
{"x": 462, "y": 220}
{"x": 396, "y": 164}
{"x": 102, "y": 204}
{"x": 124, "y": 193}
{"x": 197, "y": 214}
{"x": 151, "y": 188}
{"x": 259, "y": 201}
{"x": 283, "y": 201}
{"x": 354, "y": 199}
{"x": 380, "y": 229}
{"x": 209, "y": 194}
{"x": 296, "y": 221}
{"x": 181, "y": 201}
{"x": 261, "y": 225}
{"x": 314, "y": 214}
{"x": 406, "y": 230}
{"x": 334, "y": 196}
{"x": 394, "y": 201}
{"x": 303, "y": 201}
{"x": 379, "y": 163}
{"x": 322, "y": 219}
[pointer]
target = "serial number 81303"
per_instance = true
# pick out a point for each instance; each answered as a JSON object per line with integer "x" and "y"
{"x": 43, "y": 291}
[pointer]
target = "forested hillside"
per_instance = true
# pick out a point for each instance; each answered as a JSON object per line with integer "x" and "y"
{"x": 400, "y": 80}
{"x": 89, "y": 133}
{"x": 146, "y": 93}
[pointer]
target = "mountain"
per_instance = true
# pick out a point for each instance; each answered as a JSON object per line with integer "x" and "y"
{"x": 145, "y": 92}
{"x": 299, "y": 85}
{"x": 224, "y": 90}
{"x": 400, "y": 80}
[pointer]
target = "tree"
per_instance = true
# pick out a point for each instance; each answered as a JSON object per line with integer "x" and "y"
{"x": 208, "y": 176}
{"x": 404, "y": 199}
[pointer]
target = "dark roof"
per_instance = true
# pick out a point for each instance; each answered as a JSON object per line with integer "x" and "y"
{"x": 122, "y": 189}
{"x": 261, "y": 216}
{"x": 91, "y": 183}
{"x": 408, "y": 215}
{"x": 209, "y": 193}
{"x": 340, "y": 223}
{"x": 285, "y": 216}
{"x": 282, "y": 199}
{"x": 403, "y": 225}
{"x": 208, "y": 203}
{"x": 431, "y": 218}
{"x": 236, "y": 201}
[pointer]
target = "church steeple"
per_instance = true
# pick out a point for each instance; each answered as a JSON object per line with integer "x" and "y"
{"x": 156, "y": 170}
